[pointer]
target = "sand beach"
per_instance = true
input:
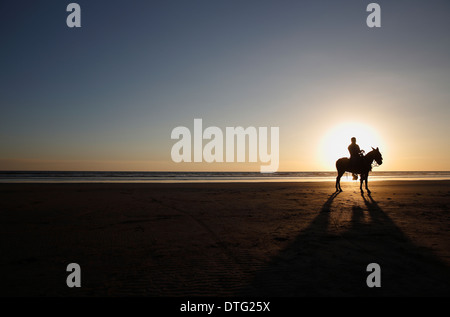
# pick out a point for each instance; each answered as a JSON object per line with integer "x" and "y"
{"x": 270, "y": 239}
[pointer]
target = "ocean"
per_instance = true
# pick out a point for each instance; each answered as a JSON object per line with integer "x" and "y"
{"x": 195, "y": 177}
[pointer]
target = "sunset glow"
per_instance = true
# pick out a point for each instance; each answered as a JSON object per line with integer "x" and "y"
{"x": 335, "y": 142}
{"x": 106, "y": 95}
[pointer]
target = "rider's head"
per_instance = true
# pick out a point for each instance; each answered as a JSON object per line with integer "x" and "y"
{"x": 353, "y": 140}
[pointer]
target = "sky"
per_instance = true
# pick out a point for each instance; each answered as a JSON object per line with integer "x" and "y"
{"x": 107, "y": 95}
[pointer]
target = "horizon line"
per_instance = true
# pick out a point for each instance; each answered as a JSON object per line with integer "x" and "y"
{"x": 167, "y": 171}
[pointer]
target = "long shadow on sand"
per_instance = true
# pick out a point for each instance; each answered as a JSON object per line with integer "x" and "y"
{"x": 323, "y": 261}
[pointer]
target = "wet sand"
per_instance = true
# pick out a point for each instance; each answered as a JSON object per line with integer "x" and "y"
{"x": 225, "y": 239}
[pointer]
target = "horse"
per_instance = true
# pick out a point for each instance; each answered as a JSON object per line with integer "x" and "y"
{"x": 343, "y": 165}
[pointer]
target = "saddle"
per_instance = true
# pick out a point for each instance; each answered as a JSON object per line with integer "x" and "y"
{"x": 356, "y": 164}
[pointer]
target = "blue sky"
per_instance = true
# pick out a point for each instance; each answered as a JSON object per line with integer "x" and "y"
{"x": 108, "y": 94}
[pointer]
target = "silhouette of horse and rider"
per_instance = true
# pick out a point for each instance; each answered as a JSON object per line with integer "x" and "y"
{"x": 358, "y": 163}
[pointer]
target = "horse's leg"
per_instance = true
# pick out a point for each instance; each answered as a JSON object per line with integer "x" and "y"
{"x": 338, "y": 181}
{"x": 361, "y": 183}
{"x": 367, "y": 187}
{"x": 341, "y": 167}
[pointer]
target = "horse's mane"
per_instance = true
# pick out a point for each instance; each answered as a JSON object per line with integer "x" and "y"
{"x": 365, "y": 156}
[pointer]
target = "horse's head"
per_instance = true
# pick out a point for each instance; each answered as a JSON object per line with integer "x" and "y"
{"x": 377, "y": 156}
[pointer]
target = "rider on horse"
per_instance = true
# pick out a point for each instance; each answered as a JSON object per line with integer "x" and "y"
{"x": 357, "y": 164}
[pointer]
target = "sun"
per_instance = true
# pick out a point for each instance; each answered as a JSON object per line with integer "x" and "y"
{"x": 336, "y": 140}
